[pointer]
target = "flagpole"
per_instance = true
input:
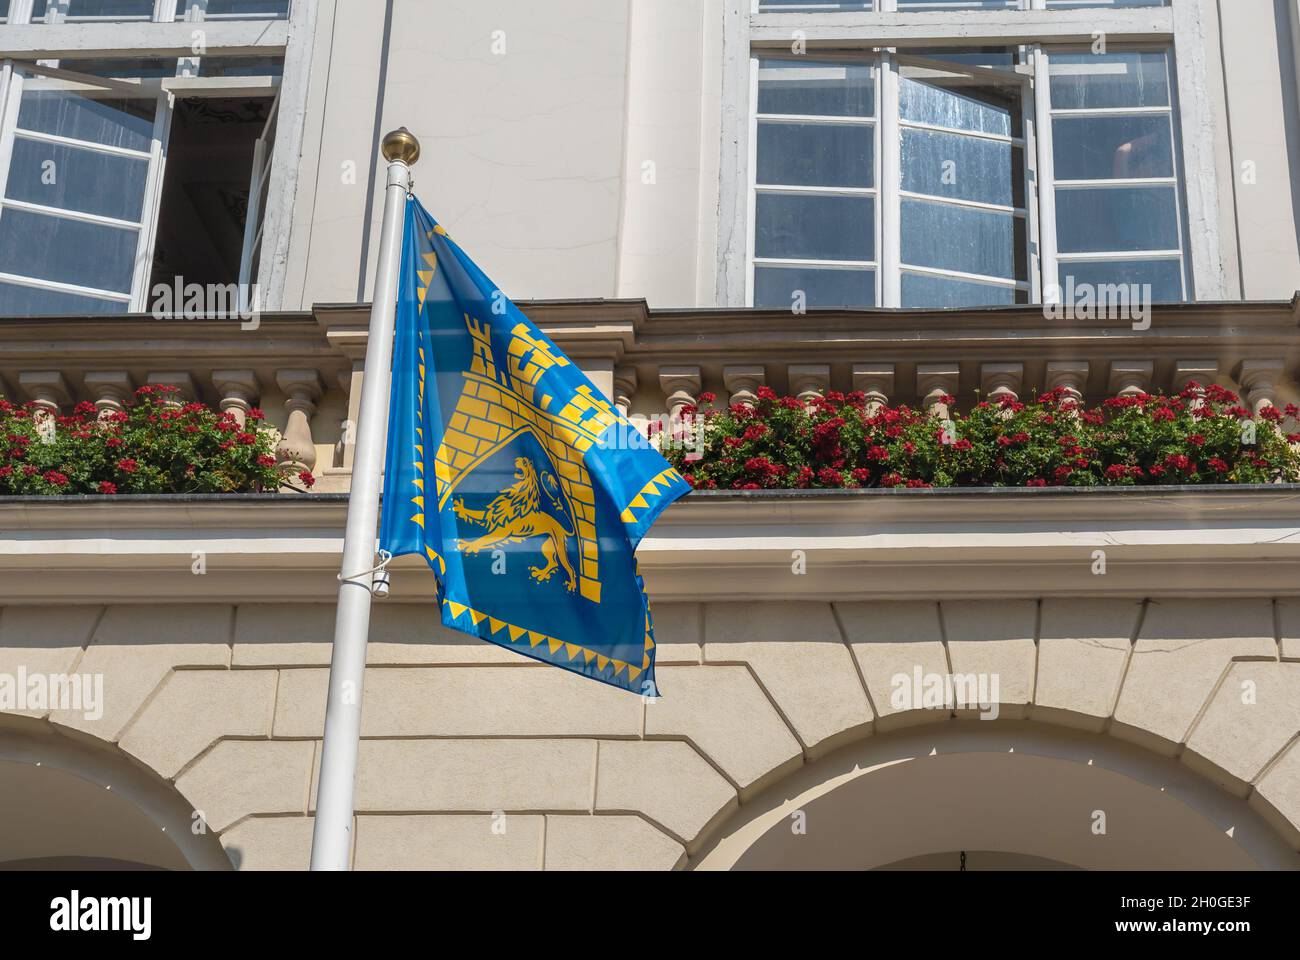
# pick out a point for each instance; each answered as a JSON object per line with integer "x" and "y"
{"x": 332, "y": 837}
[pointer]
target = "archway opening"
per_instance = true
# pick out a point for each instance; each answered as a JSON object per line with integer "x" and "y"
{"x": 1013, "y": 795}
{"x": 69, "y": 802}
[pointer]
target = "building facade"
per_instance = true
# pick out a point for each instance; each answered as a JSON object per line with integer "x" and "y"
{"x": 910, "y": 198}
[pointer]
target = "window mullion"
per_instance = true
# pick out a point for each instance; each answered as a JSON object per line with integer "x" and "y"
{"x": 20, "y": 11}
{"x": 1047, "y": 243}
{"x": 891, "y": 179}
{"x": 11, "y": 92}
{"x": 152, "y": 202}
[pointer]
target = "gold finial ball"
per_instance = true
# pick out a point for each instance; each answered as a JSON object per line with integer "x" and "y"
{"x": 401, "y": 145}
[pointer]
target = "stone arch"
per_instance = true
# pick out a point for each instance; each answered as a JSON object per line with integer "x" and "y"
{"x": 1022, "y": 793}
{"x": 75, "y": 801}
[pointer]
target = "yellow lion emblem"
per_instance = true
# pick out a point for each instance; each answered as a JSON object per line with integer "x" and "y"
{"x": 516, "y": 514}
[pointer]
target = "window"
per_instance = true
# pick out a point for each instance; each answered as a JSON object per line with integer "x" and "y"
{"x": 927, "y": 176}
{"x": 1118, "y": 209}
{"x": 815, "y": 194}
{"x": 118, "y": 173}
{"x": 74, "y": 218}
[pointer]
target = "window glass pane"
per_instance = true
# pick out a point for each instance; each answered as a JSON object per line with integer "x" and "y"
{"x": 958, "y": 4}
{"x": 1089, "y": 81}
{"x": 816, "y": 154}
{"x": 777, "y": 287}
{"x": 124, "y": 67}
{"x": 277, "y": 9}
{"x": 20, "y": 301}
{"x": 115, "y": 123}
{"x": 1002, "y": 57}
{"x": 75, "y": 178}
{"x": 963, "y": 168}
{"x": 108, "y": 9}
{"x": 1102, "y": 219}
{"x": 241, "y": 67}
{"x": 68, "y": 251}
{"x": 1164, "y": 277}
{"x": 4, "y": 9}
{"x": 815, "y": 227}
{"x": 817, "y": 89}
{"x": 928, "y": 102}
{"x": 948, "y": 237}
{"x": 1106, "y": 148}
{"x": 922, "y": 290}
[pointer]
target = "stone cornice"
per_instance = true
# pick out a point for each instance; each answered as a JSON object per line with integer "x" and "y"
{"x": 627, "y": 332}
{"x": 985, "y": 543}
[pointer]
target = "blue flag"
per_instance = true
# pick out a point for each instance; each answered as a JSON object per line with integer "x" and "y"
{"x": 523, "y": 487}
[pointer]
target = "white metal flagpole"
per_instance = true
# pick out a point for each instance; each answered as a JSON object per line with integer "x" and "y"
{"x": 331, "y": 847}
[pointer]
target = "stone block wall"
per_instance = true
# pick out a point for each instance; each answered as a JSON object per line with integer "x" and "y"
{"x": 473, "y": 757}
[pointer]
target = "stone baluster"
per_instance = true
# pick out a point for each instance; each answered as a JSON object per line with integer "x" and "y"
{"x": 876, "y": 381}
{"x": 47, "y": 389}
{"x": 1001, "y": 381}
{"x": 1203, "y": 372}
{"x": 1129, "y": 378}
{"x": 742, "y": 383}
{"x": 625, "y": 384}
{"x": 934, "y": 381}
{"x": 1069, "y": 376}
{"x": 808, "y": 381}
{"x": 237, "y": 391}
{"x": 1259, "y": 381}
{"x": 110, "y": 390}
{"x": 681, "y": 387}
{"x": 182, "y": 381}
{"x": 296, "y": 450}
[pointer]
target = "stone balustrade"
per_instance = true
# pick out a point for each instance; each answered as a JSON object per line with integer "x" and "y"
{"x": 305, "y": 370}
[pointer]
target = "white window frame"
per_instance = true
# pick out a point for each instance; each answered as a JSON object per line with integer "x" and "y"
{"x": 19, "y": 77}
{"x": 1178, "y": 27}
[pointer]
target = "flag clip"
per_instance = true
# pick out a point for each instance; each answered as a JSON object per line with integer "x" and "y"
{"x": 379, "y": 587}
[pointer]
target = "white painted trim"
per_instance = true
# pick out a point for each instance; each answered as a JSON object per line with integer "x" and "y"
{"x": 751, "y": 197}
{"x": 815, "y": 264}
{"x": 24, "y": 134}
{"x": 152, "y": 203}
{"x": 11, "y": 94}
{"x": 889, "y": 211}
{"x": 1002, "y": 27}
{"x": 966, "y": 277}
{"x": 146, "y": 39}
{"x": 960, "y": 202}
{"x": 63, "y": 213}
{"x": 1050, "y": 289}
{"x": 953, "y": 131}
{"x": 734, "y": 172}
{"x": 1122, "y": 255}
{"x": 1195, "y": 147}
{"x": 793, "y": 190}
{"x": 61, "y": 287}
{"x": 286, "y": 154}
